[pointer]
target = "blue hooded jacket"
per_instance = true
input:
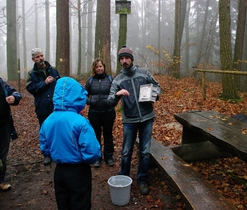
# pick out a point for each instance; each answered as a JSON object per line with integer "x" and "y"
{"x": 66, "y": 136}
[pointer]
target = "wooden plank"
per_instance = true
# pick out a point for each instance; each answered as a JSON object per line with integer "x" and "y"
{"x": 225, "y": 135}
{"x": 222, "y": 119}
{"x": 196, "y": 191}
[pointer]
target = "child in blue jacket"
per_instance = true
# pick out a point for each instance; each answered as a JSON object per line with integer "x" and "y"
{"x": 69, "y": 139}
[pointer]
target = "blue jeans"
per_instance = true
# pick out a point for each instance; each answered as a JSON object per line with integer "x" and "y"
{"x": 145, "y": 135}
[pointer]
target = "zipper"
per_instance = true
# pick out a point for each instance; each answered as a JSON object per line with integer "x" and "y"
{"x": 137, "y": 104}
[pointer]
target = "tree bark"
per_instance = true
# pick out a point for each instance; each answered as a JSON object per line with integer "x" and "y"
{"x": 12, "y": 63}
{"x": 177, "y": 41}
{"x": 47, "y": 23}
{"x": 228, "y": 82}
{"x": 79, "y": 37}
{"x": 24, "y": 39}
{"x": 103, "y": 33}
{"x": 63, "y": 38}
{"x": 238, "y": 50}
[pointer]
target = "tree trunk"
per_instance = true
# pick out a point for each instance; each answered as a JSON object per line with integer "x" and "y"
{"x": 200, "y": 49}
{"x": 12, "y": 63}
{"x": 177, "y": 43}
{"x": 228, "y": 81}
{"x": 103, "y": 33}
{"x": 24, "y": 39}
{"x": 182, "y": 16}
{"x": 211, "y": 37}
{"x": 238, "y": 50}
{"x": 89, "y": 52}
{"x": 79, "y": 37}
{"x": 36, "y": 24}
{"x": 243, "y": 80}
{"x": 63, "y": 38}
{"x": 47, "y": 23}
{"x": 187, "y": 41}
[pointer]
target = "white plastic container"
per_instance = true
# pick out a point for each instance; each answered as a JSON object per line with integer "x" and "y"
{"x": 120, "y": 186}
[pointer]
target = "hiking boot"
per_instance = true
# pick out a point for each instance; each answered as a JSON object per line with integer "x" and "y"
{"x": 47, "y": 160}
{"x": 5, "y": 186}
{"x": 97, "y": 164}
{"x": 144, "y": 189}
{"x": 110, "y": 162}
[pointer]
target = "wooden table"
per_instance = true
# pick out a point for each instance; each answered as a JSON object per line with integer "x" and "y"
{"x": 213, "y": 130}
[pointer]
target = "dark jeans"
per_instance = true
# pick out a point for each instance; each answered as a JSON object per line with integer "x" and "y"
{"x": 103, "y": 121}
{"x": 73, "y": 186}
{"x": 4, "y": 149}
{"x": 145, "y": 135}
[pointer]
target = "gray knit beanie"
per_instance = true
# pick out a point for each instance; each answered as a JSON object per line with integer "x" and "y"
{"x": 124, "y": 51}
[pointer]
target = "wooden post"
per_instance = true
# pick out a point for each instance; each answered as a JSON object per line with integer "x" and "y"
{"x": 204, "y": 71}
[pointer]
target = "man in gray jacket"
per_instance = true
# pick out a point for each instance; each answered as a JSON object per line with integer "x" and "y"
{"x": 136, "y": 116}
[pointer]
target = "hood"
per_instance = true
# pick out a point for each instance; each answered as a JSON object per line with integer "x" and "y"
{"x": 69, "y": 95}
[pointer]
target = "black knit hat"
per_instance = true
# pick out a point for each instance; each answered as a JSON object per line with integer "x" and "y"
{"x": 124, "y": 51}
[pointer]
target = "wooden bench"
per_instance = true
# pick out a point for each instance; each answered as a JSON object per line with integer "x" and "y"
{"x": 196, "y": 192}
{"x": 209, "y": 134}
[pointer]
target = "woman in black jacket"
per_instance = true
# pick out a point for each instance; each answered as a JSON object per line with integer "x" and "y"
{"x": 100, "y": 114}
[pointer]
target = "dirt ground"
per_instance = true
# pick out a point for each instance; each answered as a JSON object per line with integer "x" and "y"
{"x": 32, "y": 188}
{"x": 32, "y": 182}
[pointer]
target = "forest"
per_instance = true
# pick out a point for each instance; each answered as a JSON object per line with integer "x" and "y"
{"x": 167, "y": 37}
{"x": 183, "y": 43}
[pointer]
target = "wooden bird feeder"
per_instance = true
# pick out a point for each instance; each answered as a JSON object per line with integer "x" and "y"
{"x": 123, "y": 7}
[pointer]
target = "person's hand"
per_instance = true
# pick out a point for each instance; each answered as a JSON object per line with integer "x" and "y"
{"x": 10, "y": 99}
{"x": 122, "y": 92}
{"x": 49, "y": 79}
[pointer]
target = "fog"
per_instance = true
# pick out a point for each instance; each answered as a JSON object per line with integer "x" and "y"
{"x": 143, "y": 24}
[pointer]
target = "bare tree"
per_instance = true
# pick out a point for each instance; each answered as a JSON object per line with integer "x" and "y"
{"x": 177, "y": 40}
{"x": 103, "y": 33}
{"x": 79, "y": 36}
{"x": 238, "y": 50}
{"x": 47, "y": 19}
{"x": 199, "y": 55}
{"x": 12, "y": 63}
{"x": 228, "y": 81}
{"x": 36, "y": 24}
{"x": 24, "y": 39}
{"x": 63, "y": 38}
{"x": 89, "y": 52}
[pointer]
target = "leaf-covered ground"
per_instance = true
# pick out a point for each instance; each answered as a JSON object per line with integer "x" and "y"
{"x": 32, "y": 183}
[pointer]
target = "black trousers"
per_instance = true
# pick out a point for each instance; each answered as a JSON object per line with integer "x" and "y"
{"x": 4, "y": 148}
{"x": 73, "y": 186}
{"x": 103, "y": 121}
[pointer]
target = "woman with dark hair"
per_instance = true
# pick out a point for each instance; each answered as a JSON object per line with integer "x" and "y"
{"x": 100, "y": 114}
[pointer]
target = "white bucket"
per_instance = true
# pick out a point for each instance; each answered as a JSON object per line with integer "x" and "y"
{"x": 120, "y": 189}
